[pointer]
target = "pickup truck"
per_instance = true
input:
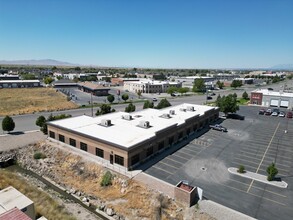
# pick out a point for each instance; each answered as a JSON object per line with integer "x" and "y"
{"x": 218, "y": 128}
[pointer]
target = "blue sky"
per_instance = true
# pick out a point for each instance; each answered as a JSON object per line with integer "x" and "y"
{"x": 149, "y": 33}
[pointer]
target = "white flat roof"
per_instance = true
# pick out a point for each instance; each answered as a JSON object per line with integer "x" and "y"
{"x": 126, "y": 133}
{"x": 10, "y": 198}
{"x": 274, "y": 93}
{"x": 152, "y": 82}
{"x": 19, "y": 81}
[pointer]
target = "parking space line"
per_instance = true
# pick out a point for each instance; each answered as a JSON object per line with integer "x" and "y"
{"x": 169, "y": 165}
{"x": 168, "y": 158}
{"x": 278, "y": 194}
{"x": 193, "y": 151}
{"x": 254, "y": 194}
{"x": 273, "y": 156}
{"x": 242, "y": 155}
{"x": 156, "y": 167}
{"x": 264, "y": 154}
{"x": 176, "y": 155}
{"x": 183, "y": 152}
{"x": 267, "y": 199}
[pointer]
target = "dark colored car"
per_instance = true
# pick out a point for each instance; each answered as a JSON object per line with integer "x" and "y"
{"x": 268, "y": 111}
{"x": 209, "y": 97}
{"x": 289, "y": 114}
{"x": 261, "y": 112}
{"x": 235, "y": 116}
{"x": 270, "y": 89}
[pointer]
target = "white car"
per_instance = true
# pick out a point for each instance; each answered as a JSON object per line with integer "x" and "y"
{"x": 282, "y": 114}
{"x": 274, "y": 114}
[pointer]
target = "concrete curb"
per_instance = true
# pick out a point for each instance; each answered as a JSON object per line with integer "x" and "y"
{"x": 257, "y": 177}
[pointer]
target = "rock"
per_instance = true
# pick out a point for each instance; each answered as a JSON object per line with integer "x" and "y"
{"x": 110, "y": 212}
{"x": 102, "y": 207}
{"x": 72, "y": 191}
{"x": 78, "y": 193}
{"x": 84, "y": 199}
{"x": 116, "y": 217}
{"x": 179, "y": 210}
{"x": 123, "y": 190}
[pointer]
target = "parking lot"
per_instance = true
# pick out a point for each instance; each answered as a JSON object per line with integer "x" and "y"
{"x": 255, "y": 143}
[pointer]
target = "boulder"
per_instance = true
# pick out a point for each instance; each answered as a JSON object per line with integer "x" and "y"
{"x": 110, "y": 212}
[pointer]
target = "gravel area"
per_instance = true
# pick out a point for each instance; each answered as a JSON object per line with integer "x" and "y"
{"x": 221, "y": 212}
{"x": 17, "y": 140}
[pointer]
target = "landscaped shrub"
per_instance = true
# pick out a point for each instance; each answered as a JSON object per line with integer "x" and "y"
{"x": 272, "y": 172}
{"x": 241, "y": 169}
{"x": 39, "y": 155}
{"x": 107, "y": 179}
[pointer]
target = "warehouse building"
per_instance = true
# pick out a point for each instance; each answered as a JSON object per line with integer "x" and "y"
{"x": 95, "y": 89}
{"x": 270, "y": 98}
{"x": 19, "y": 83}
{"x": 129, "y": 139}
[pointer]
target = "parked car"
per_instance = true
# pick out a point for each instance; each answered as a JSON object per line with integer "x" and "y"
{"x": 289, "y": 114}
{"x": 155, "y": 99}
{"x": 218, "y": 128}
{"x": 282, "y": 114}
{"x": 268, "y": 111}
{"x": 262, "y": 111}
{"x": 274, "y": 114}
{"x": 270, "y": 89}
{"x": 209, "y": 97}
{"x": 235, "y": 116}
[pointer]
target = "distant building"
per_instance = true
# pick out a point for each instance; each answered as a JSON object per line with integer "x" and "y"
{"x": 19, "y": 83}
{"x": 64, "y": 83}
{"x": 269, "y": 98}
{"x": 95, "y": 89}
{"x": 126, "y": 139}
{"x": 150, "y": 86}
{"x": 120, "y": 81}
{"x": 14, "y": 214}
{"x": 245, "y": 80}
{"x": 9, "y": 77}
{"x": 11, "y": 198}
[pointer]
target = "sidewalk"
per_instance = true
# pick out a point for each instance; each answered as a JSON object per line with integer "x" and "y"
{"x": 258, "y": 177}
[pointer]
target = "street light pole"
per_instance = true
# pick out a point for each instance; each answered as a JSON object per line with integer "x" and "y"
{"x": 92, "y": 104}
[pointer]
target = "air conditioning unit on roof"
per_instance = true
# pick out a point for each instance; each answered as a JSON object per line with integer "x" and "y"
{"x": 182, "y": 109}
{"x": 127, "y": 117}
{"x": 106, "y": 122}
{"x": 144, "y": 124}
{"x": 190, "y": 108}
{"x": 172, "y": 112}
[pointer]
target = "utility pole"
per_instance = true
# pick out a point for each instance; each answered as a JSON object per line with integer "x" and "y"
{"x": 92, "y": 104}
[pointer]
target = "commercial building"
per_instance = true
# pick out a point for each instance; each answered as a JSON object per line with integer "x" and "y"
{"x": 270, "y": 98}
{"x": 19, "y": 83}
{"x": 150, "y": 86}
{"x": 8, "y": 77}
{"x": 95, "y": 89}
{"x": 120, "y": 81}
{"x": 129, "y": 139}
{"x": 11, "y": 198}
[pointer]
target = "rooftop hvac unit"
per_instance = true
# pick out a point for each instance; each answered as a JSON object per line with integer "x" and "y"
{"x": 127, "y": 117}
{"x": 182, "y": 109}
{"x": 165, "y": 115}
{"x": 105, "y": 122}
{"x": 190, "y": 108}
{"x": 144, "y": 124}
{"x": 172, "y": 112}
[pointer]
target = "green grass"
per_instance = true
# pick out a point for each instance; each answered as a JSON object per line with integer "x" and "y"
{"x": 242, "y": 101}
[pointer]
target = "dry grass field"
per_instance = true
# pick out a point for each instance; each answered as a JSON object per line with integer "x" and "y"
{"x": 30, "y": 100}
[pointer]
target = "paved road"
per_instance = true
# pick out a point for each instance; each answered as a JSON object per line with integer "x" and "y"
{"x": 27, "y": 122}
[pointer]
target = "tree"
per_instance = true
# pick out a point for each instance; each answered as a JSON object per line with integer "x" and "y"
{"x": 183, "y": 90}
{"x": 172, "y": 89}
{"x": 104, "y": 109}
{"x": 228, "y": 104}
{"x": 28, "y": 76}
{"x": 236, "y": 83}
{"x": 220, "y": 84}
{"x": 272, "y": 172}
{"x": 48, "y": 80}
{"x": 163, "y": 104}
{"x": 54, "y": 68}
{"x": 198, "y": 85}
{"x": 245, "y": 95}
{"x": 41, "y": 120}
{"x": 110, "y": 98}
{"x": 138, "y": 92}
{"x": 8, "y": 124}
{"x": 148, "y": 104}
{"x": 77, "y": 68}
{"x": 130, "y": 108}
{"x": 125, "y": 97}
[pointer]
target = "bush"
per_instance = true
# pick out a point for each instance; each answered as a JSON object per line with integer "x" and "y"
{"x": 272, "y": 172}
{"x": 241, "y": 169}
{"x": 107, "y": 179}
{"x": 39, "y": 155}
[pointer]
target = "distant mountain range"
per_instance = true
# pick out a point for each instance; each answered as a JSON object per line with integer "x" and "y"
{"x": 282, "y": 67}
{"x": 45, "y": 62}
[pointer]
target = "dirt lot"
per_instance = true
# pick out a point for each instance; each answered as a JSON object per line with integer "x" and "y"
{"x": 30, "y": 100}
{"x": 126, "y": 197}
